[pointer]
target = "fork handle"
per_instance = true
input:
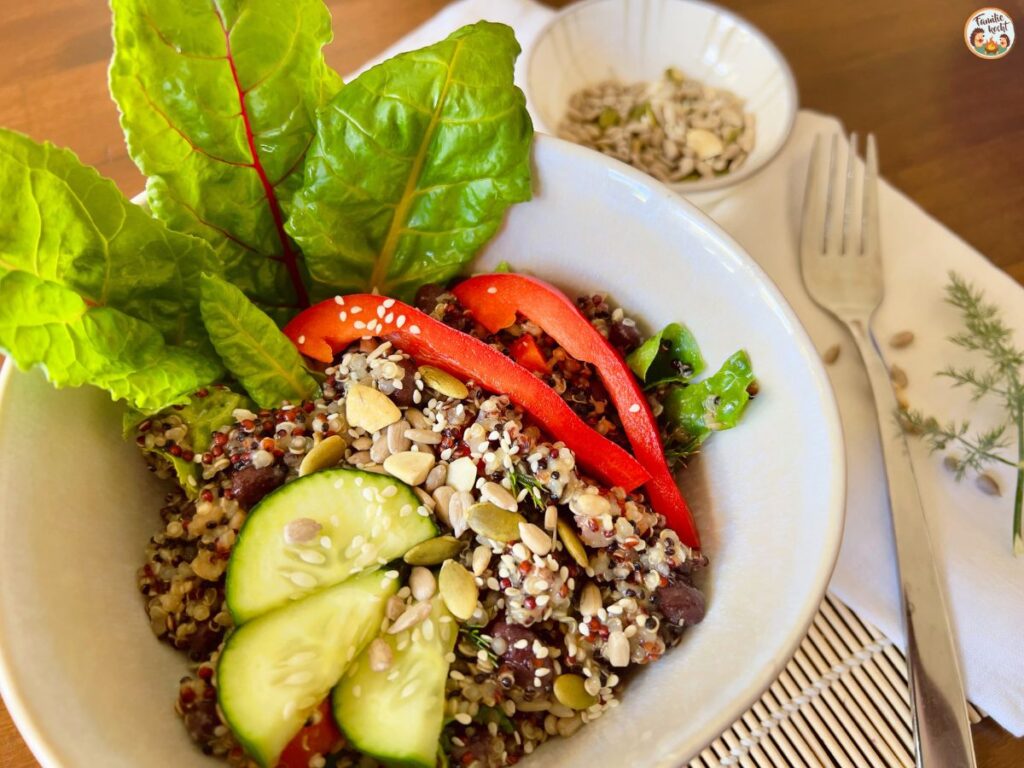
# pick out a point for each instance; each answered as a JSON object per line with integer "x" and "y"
{"x": 941, "y": 729}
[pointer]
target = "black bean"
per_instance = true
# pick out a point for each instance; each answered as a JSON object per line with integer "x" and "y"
{"x": 250, "y": 484}
{"x": 403, "y": 397}
{"x": 680, "y": 603}
{"x": 623, "y": 337}
{"x": 427, "y": 296}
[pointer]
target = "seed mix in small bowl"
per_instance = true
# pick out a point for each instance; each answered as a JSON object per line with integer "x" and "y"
{"x": 676, "y": 129}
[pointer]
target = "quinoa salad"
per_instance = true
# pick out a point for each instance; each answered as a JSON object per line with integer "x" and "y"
{"x": 590, "y": 584}
{"x": 415, "y": 514}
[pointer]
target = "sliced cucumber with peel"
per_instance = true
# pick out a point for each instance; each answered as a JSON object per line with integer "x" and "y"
{"x": 317, "y": 531}
{"x": 396, "y": 715}
{"x": 276, "y": 669}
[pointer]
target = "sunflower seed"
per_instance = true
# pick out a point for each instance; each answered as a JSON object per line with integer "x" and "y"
{"x": 481, "y": 559}
{"x": 499, "y": 496}
{"x": 380, "y": 655}
{"x": 830, "y": 355}
{"x": 412, "y": 616}
{"x": 422, "y": 583}
{"x": 590, "y": 600}
{"x": 397, "y": 439}
{"x": 901, "y": 339}
{"x": 898, "y": 376}
{"x": 535, "y": 538}
{"x": 988, "y": 485}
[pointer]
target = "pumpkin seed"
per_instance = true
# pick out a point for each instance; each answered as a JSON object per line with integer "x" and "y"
{"x": 327, "y": 453}
{"x": 410, "y": 467}
{"x": 443, "y": 382}
{"x": 458, "y": 589}
{"x": 569, "y": 691}
{"x": 572, "y": 544}
{"x": 369, "y": 409}
{"x": 434, "y": 551}
{"x": 494, "y": 522}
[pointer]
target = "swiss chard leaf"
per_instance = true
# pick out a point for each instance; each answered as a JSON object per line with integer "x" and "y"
{"x": 217, "y": 102}
{"x": 64, "y": 223}
{"x": 671, "y": 355}
{"x": 252, "y": 347}
{"x": 716, "y": 403}
{"x": 46, "y": 324}
{"x": 414, "y": 165}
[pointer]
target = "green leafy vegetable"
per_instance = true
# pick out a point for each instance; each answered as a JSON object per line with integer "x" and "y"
{"x": 202, "y": 415}
{"x": 251, "y": 346}
{"x": 671, "y": 355}
{"x": 64, "y": 223}
{"x": 986, "y": 333}
{"x": 414, "y": 165}
{"x": 716, "y": 403}
{"x": 46, "y": 324}
{"x": 217, "y": 102}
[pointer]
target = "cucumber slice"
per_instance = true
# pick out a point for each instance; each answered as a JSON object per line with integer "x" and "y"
{"x": 396, "y": 715}
{"x": 317, "y": 531}
{"x": 275, "y": 670}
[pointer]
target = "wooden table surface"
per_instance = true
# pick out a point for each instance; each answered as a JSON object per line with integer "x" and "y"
{"x": 950, "y": 125}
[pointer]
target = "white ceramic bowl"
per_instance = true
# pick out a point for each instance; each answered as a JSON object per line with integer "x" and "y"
{"x": 632, "y": 40}
{"x": 89, "y": 685}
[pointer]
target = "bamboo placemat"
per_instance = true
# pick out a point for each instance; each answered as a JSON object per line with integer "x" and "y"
{"x": 842, "y": 701}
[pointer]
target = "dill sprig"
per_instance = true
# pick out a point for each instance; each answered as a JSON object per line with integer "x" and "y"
{"x": 475, "y": 636}
{"x": 520, "y": 480}
{"x": 985, "y": 333}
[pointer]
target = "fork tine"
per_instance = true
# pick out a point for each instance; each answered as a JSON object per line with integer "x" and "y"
{"x": 833, "y": 213}
{"x": 870, "y": 243}
{"x": 812, "y": 233}
{"x": 851, "y": 237}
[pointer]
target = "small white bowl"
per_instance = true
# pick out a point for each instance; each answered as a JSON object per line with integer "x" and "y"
{"x": 633, "y": 40}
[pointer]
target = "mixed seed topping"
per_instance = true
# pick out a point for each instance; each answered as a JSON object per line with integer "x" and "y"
{"x": 556, "y": 584}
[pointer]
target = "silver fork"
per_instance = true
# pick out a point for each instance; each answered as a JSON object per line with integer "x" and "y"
{"x": 840, "y": 257}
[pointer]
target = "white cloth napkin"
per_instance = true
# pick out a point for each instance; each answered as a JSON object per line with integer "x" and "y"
{"x": 970, "y": 531}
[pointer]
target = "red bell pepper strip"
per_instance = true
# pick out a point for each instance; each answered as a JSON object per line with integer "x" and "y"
{"x": 329, "y": 327}
{"x": 317, "y": 739}
{"x": 525, "y": 351}
{"x": 494, "y": 300}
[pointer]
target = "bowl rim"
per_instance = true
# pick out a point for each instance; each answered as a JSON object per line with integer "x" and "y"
{"x": 15, "y": 691}
{"x": 699, "y": 185}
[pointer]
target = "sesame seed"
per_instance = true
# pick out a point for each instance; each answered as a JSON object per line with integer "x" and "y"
{"x": 343, "y": 316}
{"x": 492, "y": 290}
{"x": 464, "y": 718}
{"x": 414, "y": 329}
{"x": 339, "y": 300}
{"x": 381, "y": 312}
{"x": 360, "y": 324}
{"x": 356, "y": 310}
{"x": 634, "y": 408}
{"x": 400, "y": 321}
{"x": 302, "y": 339}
